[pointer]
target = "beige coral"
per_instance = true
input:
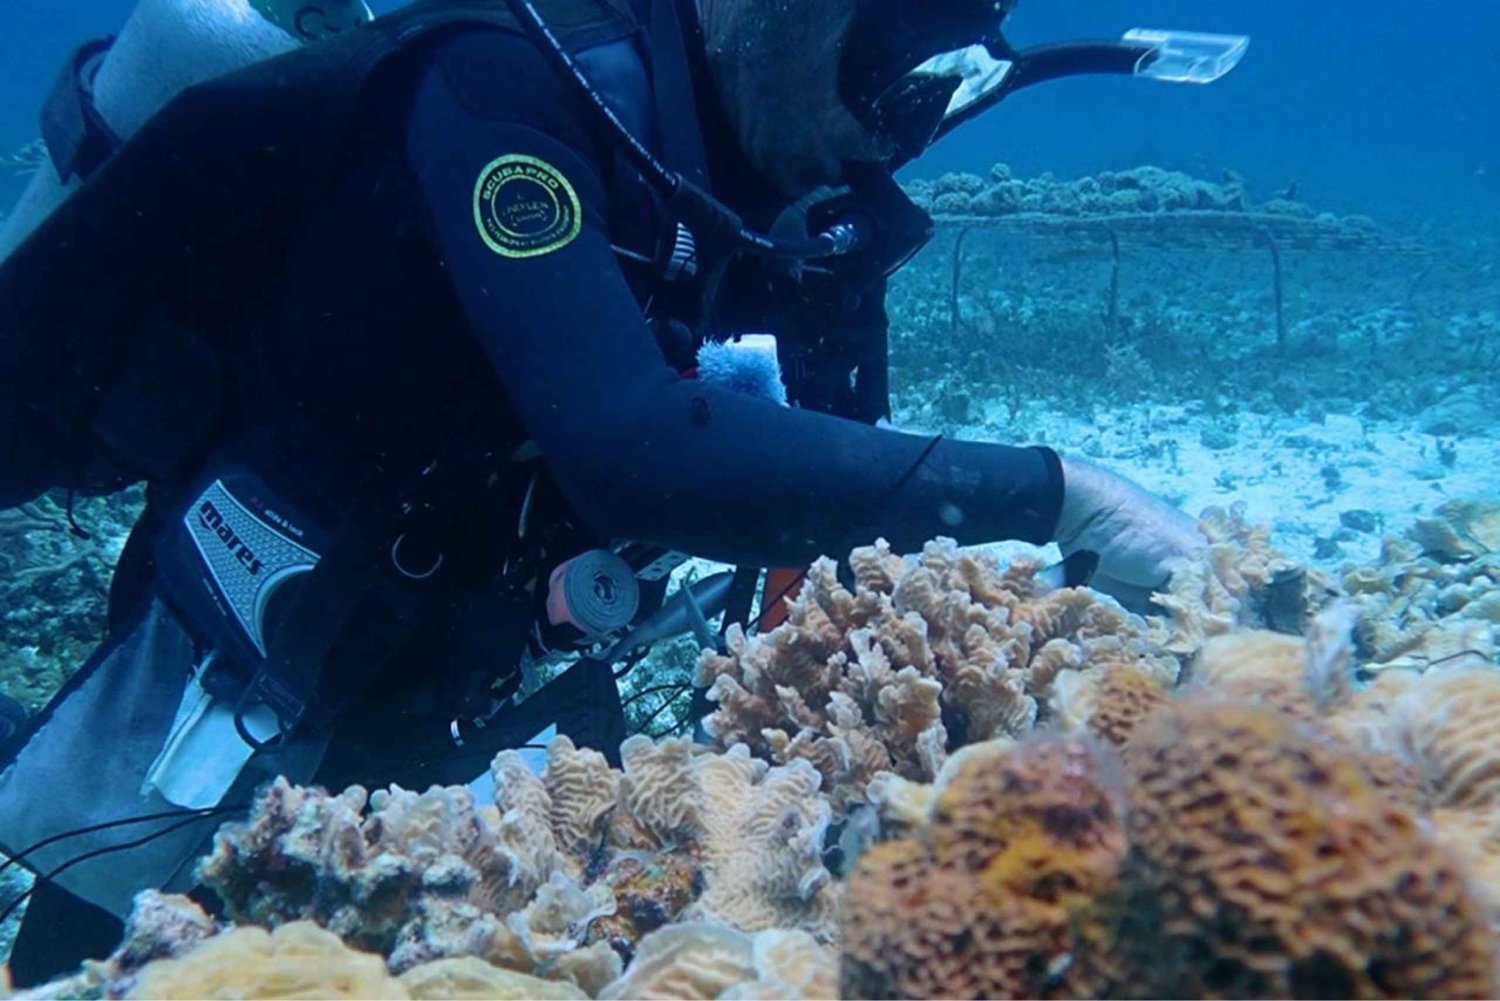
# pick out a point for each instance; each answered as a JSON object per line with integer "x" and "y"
{"x": 470, "y": 978}
{"x": 1446, "y": 721}
{"x": 1432, "y": 600}
{"x": 302, "y": 960}
{"x": 1240, "y": 580}
{"x": 297, "y": 960}
{"x": 560, "y": 878}
{"x": 703, "y": 959}
{"x": 939, "y": 648}
{"x": 1460, "y": 530}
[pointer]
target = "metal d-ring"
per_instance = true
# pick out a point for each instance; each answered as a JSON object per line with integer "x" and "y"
{"x": 396, "y": 561}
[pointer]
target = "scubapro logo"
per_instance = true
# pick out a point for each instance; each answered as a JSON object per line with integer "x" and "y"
{"x": 525, "y": 207}
{"x": 213, "y": 520}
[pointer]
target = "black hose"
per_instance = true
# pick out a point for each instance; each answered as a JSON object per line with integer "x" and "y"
{"x": 705, "y": 215}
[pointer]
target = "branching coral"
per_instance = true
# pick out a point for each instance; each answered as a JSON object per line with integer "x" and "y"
{"x": 943, "y": 648}
{"x": 560, "y": 878}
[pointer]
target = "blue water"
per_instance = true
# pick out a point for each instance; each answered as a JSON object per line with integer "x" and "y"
{"x": 1384, "y": 107}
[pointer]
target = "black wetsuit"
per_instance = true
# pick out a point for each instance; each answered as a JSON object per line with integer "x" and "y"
{"x": 399, "y": 326}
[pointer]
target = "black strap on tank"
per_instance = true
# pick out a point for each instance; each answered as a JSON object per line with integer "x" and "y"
{"x": 77, "y": 137}
{"x": 682, "y": 144}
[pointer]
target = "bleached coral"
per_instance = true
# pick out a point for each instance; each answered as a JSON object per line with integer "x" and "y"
{"x": 702, "y": 959}
{"x": 924, "y": 653}
{"x": 560, "y": 878}
{"x": 1434, "y": 598}
{"x": 1239, "y": 581}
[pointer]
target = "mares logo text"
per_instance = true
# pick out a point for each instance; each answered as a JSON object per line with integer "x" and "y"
{"x": 525, "y": 207}
{"x": 213, "y": 520}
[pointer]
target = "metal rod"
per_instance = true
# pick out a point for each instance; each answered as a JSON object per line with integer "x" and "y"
{"x": 1278, "y": 289}
{"x": 958, "y": 251}
{"x": 1114, "y": 277}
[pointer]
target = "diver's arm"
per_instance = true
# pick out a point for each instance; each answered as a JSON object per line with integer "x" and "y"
{"x": 642, "y": 453}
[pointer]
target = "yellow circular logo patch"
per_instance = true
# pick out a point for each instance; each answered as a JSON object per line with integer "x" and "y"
{"x": 525, "y": 207}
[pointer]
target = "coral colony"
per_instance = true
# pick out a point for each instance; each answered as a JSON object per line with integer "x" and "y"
{"x": 940, "y": 777}
{"x": 1039, "y": 795}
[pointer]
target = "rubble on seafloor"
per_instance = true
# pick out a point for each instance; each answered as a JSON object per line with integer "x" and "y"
{"x": 1040, "y": 794}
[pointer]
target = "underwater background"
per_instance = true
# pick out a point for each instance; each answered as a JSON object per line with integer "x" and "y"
{"x": 1275, "y": 301}
{"x": 1371, "y": 106}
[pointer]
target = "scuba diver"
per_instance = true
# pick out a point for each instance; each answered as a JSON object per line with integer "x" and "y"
{"x": 427, "y": 338}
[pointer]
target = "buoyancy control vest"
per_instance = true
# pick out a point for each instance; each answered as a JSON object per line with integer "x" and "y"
{"x": 114, "y": 311}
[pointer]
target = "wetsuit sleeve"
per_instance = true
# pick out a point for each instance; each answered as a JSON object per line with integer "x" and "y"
{"x": 640, "y": 452}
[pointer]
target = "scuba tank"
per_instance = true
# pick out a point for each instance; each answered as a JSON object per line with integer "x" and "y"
{"x": 110, "y": 88}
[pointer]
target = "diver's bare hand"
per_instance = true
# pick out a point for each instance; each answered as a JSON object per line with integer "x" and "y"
{"x": 1139, "y": 537}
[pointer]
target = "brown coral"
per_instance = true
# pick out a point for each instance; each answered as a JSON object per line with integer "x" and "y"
{"x": 937, "y": 649}
{"x": 1109, "y": 701}
{"x": 1446, "y": 722}
{"x": 989, "y": 900}
{"x": 1265, "y": 864}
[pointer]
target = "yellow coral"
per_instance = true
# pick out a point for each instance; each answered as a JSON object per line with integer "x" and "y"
{"x": 1108, "y": 701}
{"x": 987, "y": 901}
{"x": 1265, "y": 864}
{"x": 297, "y": 960}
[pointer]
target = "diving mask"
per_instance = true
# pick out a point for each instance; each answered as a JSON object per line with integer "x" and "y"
{"x": 914, "y": 70}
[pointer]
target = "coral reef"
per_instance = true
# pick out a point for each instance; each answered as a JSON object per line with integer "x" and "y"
{"x": 991, "y": 899}
{"x": 921, "y": 654}
{"x": 1144, "y": 189}
{"x": 1042, "y": 795}
{"x": 1433, "y": 598}
{"x": 53, "y": 583}
{"x": 1241, "y": 581}
{"x": 1256, "y": 858}
{"x": 699, "y": 959}
{"x": 560, "y": 878}
{"x": 296, "y": 960}
{"x": 1265, "y": 864}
